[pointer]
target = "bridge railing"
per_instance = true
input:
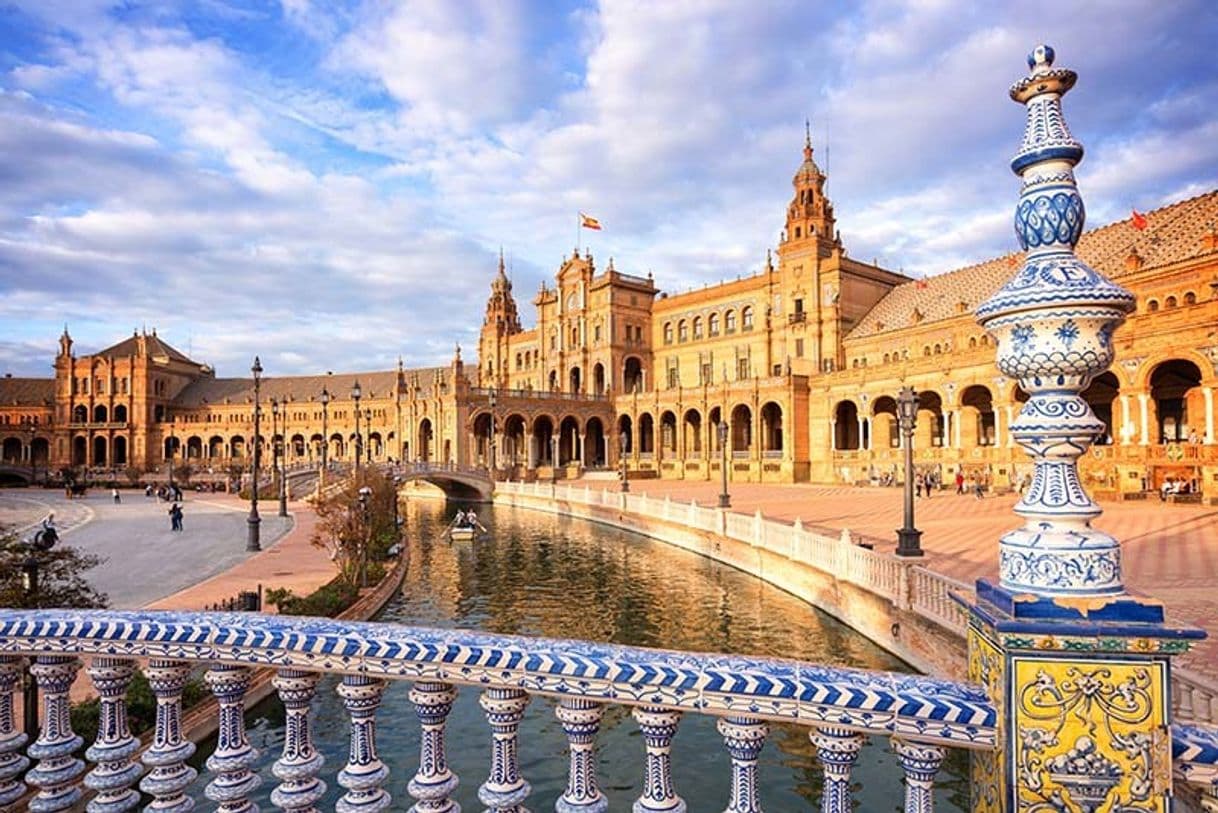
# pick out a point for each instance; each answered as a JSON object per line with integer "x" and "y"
{"x": 839, "y": 708}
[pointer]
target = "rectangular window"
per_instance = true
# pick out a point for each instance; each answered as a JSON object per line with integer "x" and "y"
{"x": 596, "y": 334}
{"x": 799, "y": 306}
{"x": 674, "y": 374}
{"x": 799, "y": 348}
{"x": 742, "y": 368}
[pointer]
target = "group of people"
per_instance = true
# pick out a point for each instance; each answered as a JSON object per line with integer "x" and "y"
{"x": 467, "y": 519}
{"x": 1174, "y": 485}
{"x": 926, "y": 482}
{"x": 167, "y": 493}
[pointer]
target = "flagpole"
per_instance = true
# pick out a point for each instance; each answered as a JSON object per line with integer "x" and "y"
{"x": 579, "y": 230}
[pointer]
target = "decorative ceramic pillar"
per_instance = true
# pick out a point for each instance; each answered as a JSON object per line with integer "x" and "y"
{"x": 298, "y": 765}
{"x": 116, "y": 772}
{"x": 744, "y": 738}
{"x": 921, "y": 762}
{"x": 56, "y": 771}
{"x": 12, "y": 762}
{"x": 170, "y": 775}
{"x": 581, "y": 720}
{"x": 838, "y": 750}
{"x": 1076, "y": 666}
{"x": 505, "y": 790}
{"x": 434, "y": 783}
{"x": 658, "y": 726}
{"x": 365, "y": 773}
{"x": 234, "y": 756}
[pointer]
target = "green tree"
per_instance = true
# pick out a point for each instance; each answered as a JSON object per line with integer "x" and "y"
{"x": 61, "y": 581}
{"x": 351, "y": 537}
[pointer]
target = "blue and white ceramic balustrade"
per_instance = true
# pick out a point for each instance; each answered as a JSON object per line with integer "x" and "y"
{"x": 839, "y": 707}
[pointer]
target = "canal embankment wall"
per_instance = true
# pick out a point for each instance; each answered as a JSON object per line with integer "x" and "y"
{"x": 901, "y": 605}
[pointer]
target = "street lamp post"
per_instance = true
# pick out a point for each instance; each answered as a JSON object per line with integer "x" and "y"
{"x": 356, "y": 392}
{"x": 554, "y": 458}
{"x": 281, "y": 454}
{"x": 725, "y": 501}
{"x": 622, "y": 443}
{"x": 368, "y": 429}
{"x": 170, "y": 450}
{"x": 31, "y": 429}
{"x": 29, "y": 584}
{"x": 364, "y": 493}
{"x": 254, "y": 522}
{"x": 908, "y": 537}
{"x": 325, "y": 439}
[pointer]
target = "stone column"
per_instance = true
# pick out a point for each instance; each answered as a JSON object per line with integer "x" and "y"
{"x": 833, "y": 434}
{"x": 583, "y": 450}
{"x": 860, "y": 423}
{"x": 1144, "y": 412}
{"x": 1208, "y": 394}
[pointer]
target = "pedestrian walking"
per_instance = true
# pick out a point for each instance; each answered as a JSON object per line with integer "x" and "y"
{"x": 175, "y": 517}
{"x": 977, "y": 487}
{"x": 959, "y": 482}
{"x": 919, "y": 481}
{"x": 117, "y": 498}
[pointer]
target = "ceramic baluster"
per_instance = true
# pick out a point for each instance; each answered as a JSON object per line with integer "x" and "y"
{"x": 300, "y": 762}
{"x": 505, "y": 789}
{"x": 581, "y": 720}
{"x": 12, "y": 762}
{"x": 364, "y": 773}
{"x": 920, "y": 762}
{"x": 658, "y": 726}
{"x": 170, "y": 775}
{"x": 838, "y": 750}
{"x": 434, "y": 783}
{"x": 234, "y": 756}
{"x": 115, "y": 746}
{"x": 744, "y": 738}
{"x": 56, "y": 771}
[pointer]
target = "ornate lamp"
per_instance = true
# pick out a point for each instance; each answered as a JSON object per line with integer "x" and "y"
{"x": 909, "y": 538}
{"x": 253, "y": 521}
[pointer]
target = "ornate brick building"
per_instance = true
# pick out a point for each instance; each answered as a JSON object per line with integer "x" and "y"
{"x": 802, "y": 361}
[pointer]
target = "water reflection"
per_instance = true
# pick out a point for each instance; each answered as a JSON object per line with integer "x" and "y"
{"x": 542, "y": 575}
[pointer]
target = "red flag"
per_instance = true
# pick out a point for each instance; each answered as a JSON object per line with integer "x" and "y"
{"x": 589, "y": 222}
{"x": 1139, "y": 220}
{"x": 923, "y": 283}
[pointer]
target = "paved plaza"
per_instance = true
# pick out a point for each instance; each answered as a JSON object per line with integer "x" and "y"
{"x": 144, "y": 559}
{"x": 1169, "y": 551}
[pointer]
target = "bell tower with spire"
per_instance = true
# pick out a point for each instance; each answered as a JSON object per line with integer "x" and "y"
{"x": 501, "y": 322}
{"x": 810, "y": 220}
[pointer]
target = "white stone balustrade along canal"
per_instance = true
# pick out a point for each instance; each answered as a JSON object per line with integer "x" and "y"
{"x": 1067, "y": 706}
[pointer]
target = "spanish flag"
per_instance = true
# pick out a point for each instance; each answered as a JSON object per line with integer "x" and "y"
{"x": 586, "y": 222}
{"x": 1139, "y": 220}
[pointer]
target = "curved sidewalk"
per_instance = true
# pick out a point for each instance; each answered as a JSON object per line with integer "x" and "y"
{"x": 1169, "y": 552}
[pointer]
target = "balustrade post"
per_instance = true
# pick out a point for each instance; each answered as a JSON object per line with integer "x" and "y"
{"x": 116, "y": 772}
{"x": 170, "y": 775}
{"x": 12, "y": 762}
{"x": 920, "y": 761}
{"x": 234, "y": 756}
{"x": 365, "y": 772}
{"x": 658, "y": 726}
{"x": 744, "y": 738}
{"x": 56, "y": 771}
{"x": 505, "y": 789}
{"x": 838, "y": 750}
{"x": 581, "y": 720}
{"x": 300, "y": 762}
{"x": 434, "y": 783}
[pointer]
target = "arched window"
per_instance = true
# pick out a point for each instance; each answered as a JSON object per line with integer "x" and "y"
{"x": 1190, "y": 298}
{"x": 1152, "y": 305}
{"x": 926, "y": 350}
{"x": 683, "y": 331}
{"x": 886, "y": 358}
{"x": 938, "y": 349}
{"x": 712, "y": 324}
{"x": 729, "y": 322}
{"x": 746, "y": 318}
{"x": 668, "y": 333}
{"x": 697, "y": 327}
{"x": 972, "y": 342}
{"x": 1170, "y": 302}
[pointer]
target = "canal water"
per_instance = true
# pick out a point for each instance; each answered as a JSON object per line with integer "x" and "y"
{"x": 537, "y": 574}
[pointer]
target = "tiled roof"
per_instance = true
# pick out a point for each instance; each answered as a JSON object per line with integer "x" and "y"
{"x": 374, "y": 385}
{"x": 156, "y": 347}
{"x": 26, "y": 391}
{"x": 1174, "y": 233}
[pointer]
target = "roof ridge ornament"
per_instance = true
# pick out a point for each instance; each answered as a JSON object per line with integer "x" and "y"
{"x": 1054, "y": 322}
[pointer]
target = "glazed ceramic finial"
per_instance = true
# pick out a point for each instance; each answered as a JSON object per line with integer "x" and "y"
{"x": 1054, "y": 323}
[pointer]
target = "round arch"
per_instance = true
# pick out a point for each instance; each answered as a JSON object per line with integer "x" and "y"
{"x": 771, "y": 429}
{"x": 691, "y": 429}
{"x": 596, "y": 452}
{"x": 742, "y": 429}
{"x": 846, "y": 426}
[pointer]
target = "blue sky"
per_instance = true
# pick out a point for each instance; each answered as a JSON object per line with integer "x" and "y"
{"x": 328, "y": 184}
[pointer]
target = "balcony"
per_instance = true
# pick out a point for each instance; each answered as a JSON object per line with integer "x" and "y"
{"x": 797, "y": 318}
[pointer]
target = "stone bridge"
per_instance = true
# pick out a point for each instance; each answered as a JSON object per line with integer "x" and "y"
{"x": 458, "y": 482}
